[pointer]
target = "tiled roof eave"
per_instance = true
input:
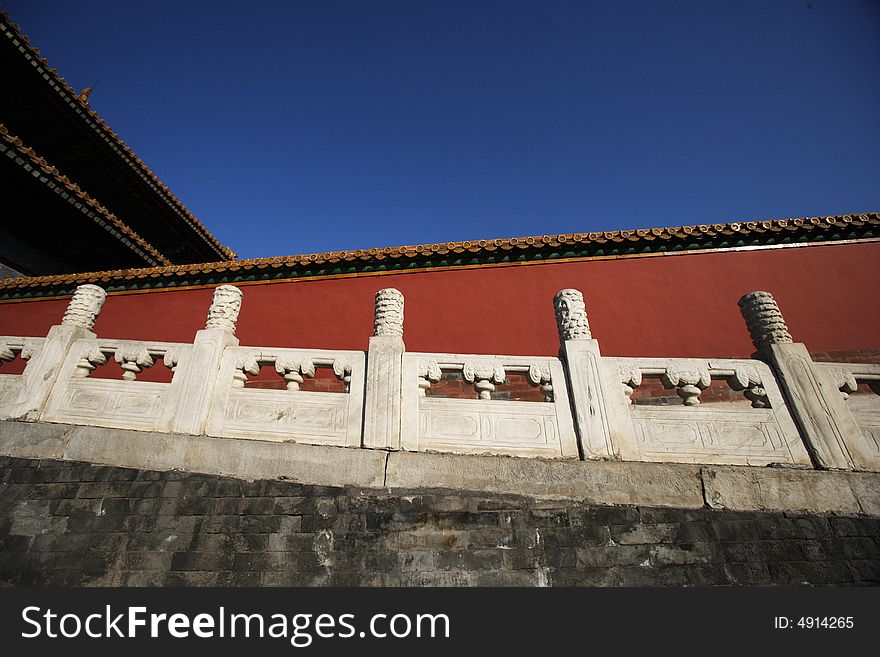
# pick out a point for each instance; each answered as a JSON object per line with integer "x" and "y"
{"x": 511, "y": 250}
{"x": 32, "y": 161}
{"x": 82, "y": 108}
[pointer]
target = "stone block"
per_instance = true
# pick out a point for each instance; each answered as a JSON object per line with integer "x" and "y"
{"x": 855, "y": 526}
{"x": 196, "y": 578}
{"x": 590, "y": 535}
{"x": 747, "y": 573}
{"x": 145, "y": 578}
{"x": 470, "y": 560}
{"x": 593, "y": 482}
{"x": 582, "y": 576}
{"x": 792, "y": 573}
{"x": 673, "y": 575}
{"x": 644, "y": 534}
{"x": 32, "y": 440}
{"x": 707, "y": 575}
{"x": 209, "y": 561}
{"x": 259, "y": 524}
{"x": 734, "y": 531}
{"x": 694, "y": 532}
{"x": 309, "y": 464}
{"x": 801, "y": 491}
{"x": 613, "y": 555}
{"x": 865, "y": 571}
{"x": 146, "y": 561}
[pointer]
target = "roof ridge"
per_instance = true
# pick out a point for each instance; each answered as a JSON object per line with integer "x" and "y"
{"x": 64, "y": 181}
{"x": 533, "y": 243}
{"x": 197, "y": 225}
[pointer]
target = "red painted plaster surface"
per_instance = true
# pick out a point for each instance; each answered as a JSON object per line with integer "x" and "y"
{"x": 677, "y": 306}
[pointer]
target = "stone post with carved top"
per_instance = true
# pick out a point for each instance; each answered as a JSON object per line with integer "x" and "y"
{"x": 831, "y": 434}
{"x": 197, "y": 374}
{"x": 45, "y": 361}
{"x": 384, "y": 372}
{"x": 601, "y": 415}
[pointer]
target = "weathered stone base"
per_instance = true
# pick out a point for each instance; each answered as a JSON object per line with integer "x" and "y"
{"x": 739, "y": 488}
{"x": 72, "y": 523}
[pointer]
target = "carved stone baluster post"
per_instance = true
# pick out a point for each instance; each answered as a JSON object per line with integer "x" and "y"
{"x": 484, "y": 374}
{"x": 90, "y": 357}
{"x": 832, "y": 436}
{"x": 630, "y": 379}
{"x": 688, "y": 382}
{"x": 342, "y": 368}
{"x": 171, "y": 358}
{"x": 747, "y": 379}
{"x": 248, "y": 363}
{"x": 294, "y": 369}
{"x": 601, "y": 414}
{"x": 384, "y": 372}
{"x": 539, "y": 375}
{"x": 45, "y": 363}
{"x": 198, "y": 374}
{"x": 133, "y": 358}
{"x": 844, "y": 380}
{"x": 429, "y": 372}
{"x": 6, "y": 354}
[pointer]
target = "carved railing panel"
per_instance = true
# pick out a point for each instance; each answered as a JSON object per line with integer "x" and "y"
{"x": 483, "y": 425}
{"x": 126, "y": 403}
{"x": 864, "y": 408}
{"x": 292, "y": 414}
{"x": 759, "y": 433}
{"x": 11, "y": 347}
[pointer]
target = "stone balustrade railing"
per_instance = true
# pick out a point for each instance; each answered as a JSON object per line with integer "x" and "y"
{"x": 126, "y": 403}
{"x": 759, "y": 431}
{"x": 791, "y": 411}
{"x": 290, "y": 413}
{"x": 482, "y": 424}
{"x": 11, "y": 385}
{"x": 847, "y": 377}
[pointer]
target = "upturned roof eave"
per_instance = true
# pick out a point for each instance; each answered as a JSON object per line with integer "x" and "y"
{"x": 34, "y": 162}
{"x": 128, "y": 156}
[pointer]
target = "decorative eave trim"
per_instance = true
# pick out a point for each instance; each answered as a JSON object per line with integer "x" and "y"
{"x": 37, "y": 166}
{"x": 479, "y": 253}
{"x": 13, "y": 32}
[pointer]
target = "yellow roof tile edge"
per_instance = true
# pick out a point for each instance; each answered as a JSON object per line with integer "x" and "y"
{"x": 746, "y": 228}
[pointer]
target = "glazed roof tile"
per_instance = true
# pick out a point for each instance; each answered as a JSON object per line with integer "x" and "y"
{"x": 678, "y": 238}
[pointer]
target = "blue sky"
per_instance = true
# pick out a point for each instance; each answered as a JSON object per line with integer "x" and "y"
{"x": 293, "y": 127}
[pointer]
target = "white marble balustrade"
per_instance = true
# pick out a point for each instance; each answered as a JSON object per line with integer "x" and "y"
{"x": 483, "y": 425}
{"x": 289, "y": 414}
{"x": 864, "y": 409}
{"x": 12, "y": 386}
{"x": 757, "y": 431}
{"x": 792, "y": 411}
{"x": 125, "y": 403}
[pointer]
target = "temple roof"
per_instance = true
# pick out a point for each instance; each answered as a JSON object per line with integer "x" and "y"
{"x": 475, "y": 253}
{"x": 32, "y": 164}
{"x": 46, "y": 114}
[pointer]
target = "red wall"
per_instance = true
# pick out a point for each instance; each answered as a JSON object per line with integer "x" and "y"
{"x": 682, "y": 305}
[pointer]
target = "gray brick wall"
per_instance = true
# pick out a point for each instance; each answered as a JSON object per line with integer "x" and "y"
{"x": 64, "y": 523}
